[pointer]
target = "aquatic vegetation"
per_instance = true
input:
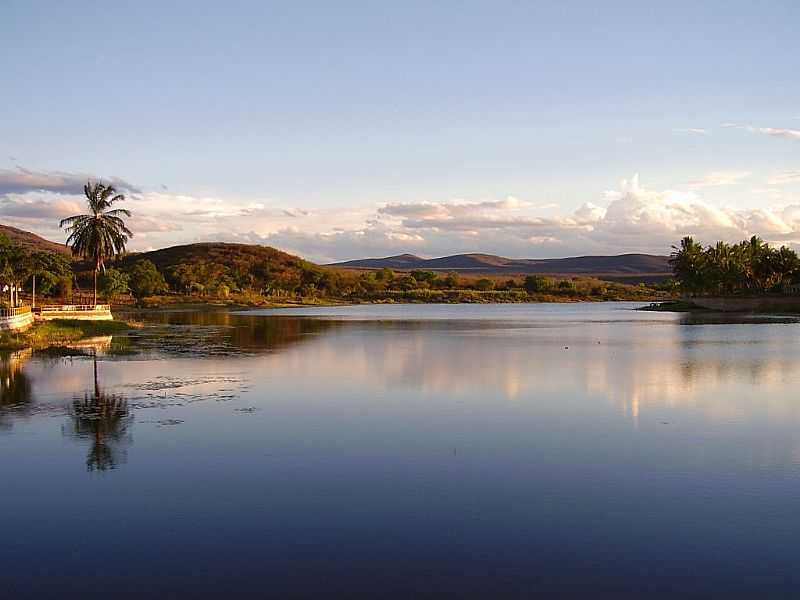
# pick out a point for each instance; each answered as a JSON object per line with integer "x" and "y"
{"x": 167, "y": 391}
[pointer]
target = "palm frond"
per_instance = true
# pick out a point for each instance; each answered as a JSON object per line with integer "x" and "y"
{"x": 101, "y": 233}
{"x": 118, "y": 211}
{"x": 70, "y": 220}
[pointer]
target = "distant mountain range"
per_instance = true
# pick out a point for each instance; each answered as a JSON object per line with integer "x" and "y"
{"x": 623, "y": 267}
{"x": 644, "y": 267}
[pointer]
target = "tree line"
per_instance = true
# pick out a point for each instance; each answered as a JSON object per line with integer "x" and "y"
{"x": 265, "y": 278}
{"x": 748, "y": 267}
{"x": 20, "y": 267}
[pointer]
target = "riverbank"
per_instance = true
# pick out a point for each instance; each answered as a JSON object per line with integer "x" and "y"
{"x": 415, "y": 296}
{"x": 751, "y": 304}
{"x": 61, "y": 332}
{"x": 730, "y": 304}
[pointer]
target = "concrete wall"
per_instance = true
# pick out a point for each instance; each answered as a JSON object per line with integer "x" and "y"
{"x": 748, "y": 304}
{"x": 17, "y": 322}
{"x": 82, "y": 315}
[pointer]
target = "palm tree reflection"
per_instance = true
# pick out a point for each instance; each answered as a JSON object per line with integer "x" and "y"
{"x": 104, "y": 420}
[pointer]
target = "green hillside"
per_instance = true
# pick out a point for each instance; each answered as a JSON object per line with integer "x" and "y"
{"x": 217, "y": 252}
{"x": 221, "y": 268}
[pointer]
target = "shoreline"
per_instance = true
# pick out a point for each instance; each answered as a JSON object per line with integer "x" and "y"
{"x": 730, "y": 304}
{"x": 161, "y": 303}
{"x": 61, "y": 333}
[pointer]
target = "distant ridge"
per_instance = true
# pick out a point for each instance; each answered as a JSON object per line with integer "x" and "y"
{"x": 401, "y": 261}
{"x": 623, "y": 267}
{"x": 620, "y": 266}
{"x": 33, "y": 241}
{"x": 221, "y": 252}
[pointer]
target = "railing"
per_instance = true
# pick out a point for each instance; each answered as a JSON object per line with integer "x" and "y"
{"x": 73, "y": 307}
{"x": 14, "y": 312}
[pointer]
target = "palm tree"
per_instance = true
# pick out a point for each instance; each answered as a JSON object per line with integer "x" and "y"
{"x": 689, "y": 265}
{"x": 102, "y": 233}
{"x": 786, "y": 264}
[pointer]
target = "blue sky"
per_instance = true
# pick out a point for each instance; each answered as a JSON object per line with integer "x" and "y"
{"x": 350, "y": 128}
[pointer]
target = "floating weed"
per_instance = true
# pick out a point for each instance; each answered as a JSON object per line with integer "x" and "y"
{"x": 165, "y": 422}
{"x": 165, "y": 391}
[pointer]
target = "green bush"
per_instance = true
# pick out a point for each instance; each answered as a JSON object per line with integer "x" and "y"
{"x": 145, "y": 280}
{"x": 113, "y": 283}
{"x": 537, "y": 284}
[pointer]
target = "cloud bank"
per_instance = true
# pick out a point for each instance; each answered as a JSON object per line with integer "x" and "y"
{"x": 22, "y": 180}
{"x": 631, "y": 218}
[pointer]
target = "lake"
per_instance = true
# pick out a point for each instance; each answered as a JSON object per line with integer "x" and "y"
{"x": 578, "y": 450}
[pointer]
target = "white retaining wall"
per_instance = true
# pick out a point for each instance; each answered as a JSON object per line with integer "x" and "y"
{"x": 16, "y": 322}
{"x": 91, "y": 312}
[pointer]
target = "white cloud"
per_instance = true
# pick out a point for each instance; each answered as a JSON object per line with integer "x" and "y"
{"x": 789, "y": 134}
{"x": 779, "y": 132}
{"x": 635, "y": 220}
{"x": 631, "y": 218}
{"x": 589, "y": 213}
{"x": 694, "y": 130}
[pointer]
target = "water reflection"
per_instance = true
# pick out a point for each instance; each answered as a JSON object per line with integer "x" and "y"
{"x": 102, "y": 419}
{"x": 707, "y": 365}
{"x": 561, "y": 450}
{"x": 15, "y": 386}
{"x": 640, "y": 362}
{"x": 209, "y": 333}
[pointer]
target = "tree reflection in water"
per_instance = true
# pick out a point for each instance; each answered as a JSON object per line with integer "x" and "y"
{"x": 103, "y": 419}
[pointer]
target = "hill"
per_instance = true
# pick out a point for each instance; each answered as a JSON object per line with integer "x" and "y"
{"x": 32, "y": 241}
{"x": 215, "y": 252}
{"x": 645, "y": 267}
{"x": 217, "y": 268}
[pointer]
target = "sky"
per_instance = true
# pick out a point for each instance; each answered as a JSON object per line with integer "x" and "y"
{"x": 339, "y": 130}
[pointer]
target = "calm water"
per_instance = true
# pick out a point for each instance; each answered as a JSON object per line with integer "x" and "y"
{"x": 406, "y": 451}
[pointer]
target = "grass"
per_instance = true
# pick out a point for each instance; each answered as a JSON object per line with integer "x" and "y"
{"x": 60, "y": 332}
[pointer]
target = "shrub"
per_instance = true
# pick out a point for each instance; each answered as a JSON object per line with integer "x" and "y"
{"x": 536, "y": 284}
{"x": 145, "y": 280}
{"x": 114, "y": 283}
